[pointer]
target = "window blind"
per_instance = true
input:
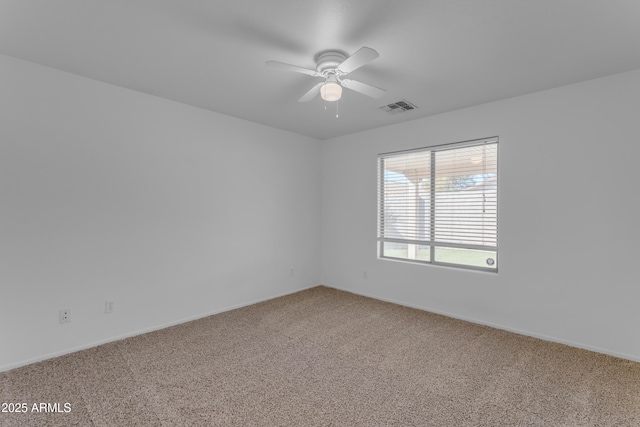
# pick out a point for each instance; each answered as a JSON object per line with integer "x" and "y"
{"x": 440, "y": 204}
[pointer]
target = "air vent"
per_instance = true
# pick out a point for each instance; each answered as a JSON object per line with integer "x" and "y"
{"x": 398, "y": 107}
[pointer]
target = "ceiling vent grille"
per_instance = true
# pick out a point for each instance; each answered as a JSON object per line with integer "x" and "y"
{"x": 398, "y": 107}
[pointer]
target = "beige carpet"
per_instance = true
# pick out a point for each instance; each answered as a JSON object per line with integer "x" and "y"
{"x": 323, "y": 357}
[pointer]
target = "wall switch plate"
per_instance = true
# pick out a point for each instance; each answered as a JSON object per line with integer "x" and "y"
{"x": 109, "y": 306}
{"x": 65, "y": 315}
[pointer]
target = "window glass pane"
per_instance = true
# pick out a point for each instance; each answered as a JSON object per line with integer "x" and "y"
{"x": 406, "y": 251}
{"x": 406, "y": 196}
{"x": 423, "y": 253}
{"x": 395, "y": 250}
{"x": 466, "y": 195}
{"x": 469, "y": 257}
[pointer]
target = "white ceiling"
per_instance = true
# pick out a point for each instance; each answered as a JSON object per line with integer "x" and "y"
{"x": 439, "y": 54}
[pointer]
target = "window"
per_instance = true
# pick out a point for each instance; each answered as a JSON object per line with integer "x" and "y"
{"x": 439, "y": 205}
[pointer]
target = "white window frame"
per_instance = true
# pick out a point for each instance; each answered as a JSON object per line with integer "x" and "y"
{"x": 432, "y": 242}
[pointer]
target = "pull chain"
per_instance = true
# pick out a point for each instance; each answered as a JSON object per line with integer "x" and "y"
{"x": 337, "y": 109}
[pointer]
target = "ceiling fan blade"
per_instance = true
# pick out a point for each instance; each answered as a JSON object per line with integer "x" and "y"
{"x": 289, "y": 67}
{"x": 363, "y": 88}
{"x": 363, "y": 56}
{"x": 313, "y": 92}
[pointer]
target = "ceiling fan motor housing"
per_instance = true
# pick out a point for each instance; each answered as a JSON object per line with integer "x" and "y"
{"x": 329, "y": 60}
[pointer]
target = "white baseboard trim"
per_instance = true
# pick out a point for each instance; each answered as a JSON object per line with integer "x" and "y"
{"x": 494, "y": 325}
{"x": 11, "y": 366}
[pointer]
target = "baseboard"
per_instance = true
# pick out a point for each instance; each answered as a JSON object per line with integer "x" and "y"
{"x": 11, "y": 366}
{"x": 495, "y": 325}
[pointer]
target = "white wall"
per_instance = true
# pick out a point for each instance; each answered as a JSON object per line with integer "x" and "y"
{"x": 569, "y": 171}
{"x": 172, "y": 211}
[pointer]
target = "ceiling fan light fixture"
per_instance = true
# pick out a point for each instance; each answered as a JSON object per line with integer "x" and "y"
{"x": 331, "y": 91}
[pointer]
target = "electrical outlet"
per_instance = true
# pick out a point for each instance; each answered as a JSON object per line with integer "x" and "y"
{"x": 109, "y": 306}
{"x": 291, "y": 272}
{"x": 364, "y": 274}
{"x": 65, "y": 315}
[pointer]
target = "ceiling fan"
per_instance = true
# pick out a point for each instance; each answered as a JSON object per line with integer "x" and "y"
{"x": 332, "y": 66}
